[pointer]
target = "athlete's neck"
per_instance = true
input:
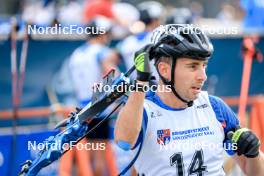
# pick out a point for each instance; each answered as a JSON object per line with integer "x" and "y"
{"x": 170, "y": 99}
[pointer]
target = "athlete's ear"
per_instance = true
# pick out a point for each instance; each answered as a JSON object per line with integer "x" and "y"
{"x": 164, "y": 70}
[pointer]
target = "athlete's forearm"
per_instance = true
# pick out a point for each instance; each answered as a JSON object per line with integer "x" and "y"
{"x": 129, "y": 121}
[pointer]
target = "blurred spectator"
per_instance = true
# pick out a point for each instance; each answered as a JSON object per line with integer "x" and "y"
{"x": 98, "y": 7}
{"x": 226, "y": 15}
{"x": 92, "y": 57}
{"x": 71, "y": 13}
{"x": 197, "y": 10}
{"x": 150, "y": 14}
{"x": 127, "y": 17}
{"x": 38, "y": 13}
{"x": 179, "y": 16}
{"x": 87, "y": 64}
{"x": 254, "y": 15}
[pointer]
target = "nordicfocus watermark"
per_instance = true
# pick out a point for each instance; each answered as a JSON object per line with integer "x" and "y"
{"x": 58, "y": 29}
{"x": 203, "y": 29}
{"x": 66, "y": 146}
{"x": 131, "y": 88}
{"x": 190, "y": 146}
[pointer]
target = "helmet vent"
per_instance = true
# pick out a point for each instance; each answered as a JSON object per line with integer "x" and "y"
{"x": 187, "y": 37}
{"x": 200, "y": 37}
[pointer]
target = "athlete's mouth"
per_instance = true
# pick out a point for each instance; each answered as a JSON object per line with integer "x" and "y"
{"x": 197, "y": 87}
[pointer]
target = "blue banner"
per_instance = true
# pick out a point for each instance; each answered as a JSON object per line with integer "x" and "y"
{"x": 26, "y": 147}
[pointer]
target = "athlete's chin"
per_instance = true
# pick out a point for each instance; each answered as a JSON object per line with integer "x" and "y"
{"x": 193, "y": 97}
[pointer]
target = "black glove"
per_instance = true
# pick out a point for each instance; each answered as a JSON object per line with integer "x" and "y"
{"x": 141, "y": 60}
{"x": 247, "y": 142}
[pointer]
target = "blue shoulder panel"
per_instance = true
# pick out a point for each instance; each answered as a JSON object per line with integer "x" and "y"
{"x": 224, "y": 114}
{"x": 226, "y": 117}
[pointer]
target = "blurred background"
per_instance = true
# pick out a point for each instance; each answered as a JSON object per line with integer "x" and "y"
{"x": 44, "y": 75}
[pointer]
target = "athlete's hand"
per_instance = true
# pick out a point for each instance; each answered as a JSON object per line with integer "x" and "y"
{"x": 141, "y": 60}
{"x": 247, "y": 142}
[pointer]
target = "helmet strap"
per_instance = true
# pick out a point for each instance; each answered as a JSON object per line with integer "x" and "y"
{"x": 171, "y": 83}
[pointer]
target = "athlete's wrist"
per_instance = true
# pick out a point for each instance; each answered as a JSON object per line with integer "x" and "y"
{"x": 140, "y": 86}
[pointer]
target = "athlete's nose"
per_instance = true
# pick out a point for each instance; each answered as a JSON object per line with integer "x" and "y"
{"x": 201, "y": 75}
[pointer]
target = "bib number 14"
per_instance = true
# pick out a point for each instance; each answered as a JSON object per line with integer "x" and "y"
{"x": 196, "y": 167}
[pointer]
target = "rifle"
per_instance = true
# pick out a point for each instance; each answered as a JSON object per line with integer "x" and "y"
{"x": 77, "y": 123}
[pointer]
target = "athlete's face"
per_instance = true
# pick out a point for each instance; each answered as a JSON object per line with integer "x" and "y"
{"x": 189, "y": 77}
